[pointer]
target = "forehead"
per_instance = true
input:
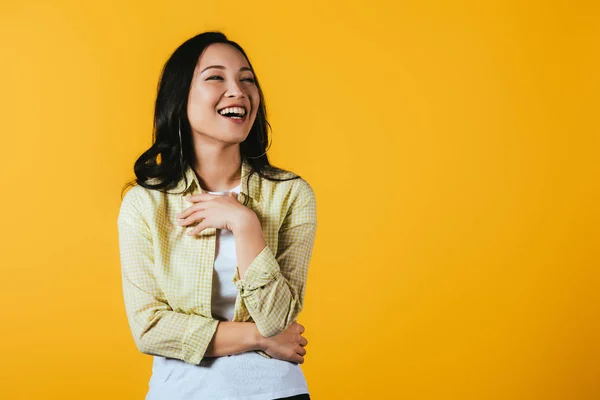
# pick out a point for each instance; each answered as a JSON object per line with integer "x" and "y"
{"x": 222, "y": 54}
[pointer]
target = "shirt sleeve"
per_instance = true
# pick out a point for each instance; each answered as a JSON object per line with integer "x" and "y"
{"x": 156, "y": 328}
{"x": 274, "y": 284}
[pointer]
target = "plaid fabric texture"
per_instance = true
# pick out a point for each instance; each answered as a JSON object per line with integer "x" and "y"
{"x": 167, "y": 275}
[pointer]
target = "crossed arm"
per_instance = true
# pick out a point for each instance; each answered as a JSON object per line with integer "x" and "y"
{"x": 272, "y": 288}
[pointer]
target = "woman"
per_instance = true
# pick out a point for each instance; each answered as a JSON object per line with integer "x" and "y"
{"x": 215, "y": 242}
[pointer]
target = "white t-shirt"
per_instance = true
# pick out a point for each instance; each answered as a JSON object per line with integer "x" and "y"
{"x": 245, "y": 376}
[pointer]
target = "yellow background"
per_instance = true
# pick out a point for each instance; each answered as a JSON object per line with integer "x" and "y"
{"x": 453, "y": 148}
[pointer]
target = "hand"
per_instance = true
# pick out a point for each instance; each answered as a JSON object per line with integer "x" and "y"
{"x": 288, "y": 345}
{"x": 213, "y": 211}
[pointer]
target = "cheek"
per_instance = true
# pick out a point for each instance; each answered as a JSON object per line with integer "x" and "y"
{"x": 255, "y": 100}
{"x": 200, "y": 104}
{"x": 200, "y": 97}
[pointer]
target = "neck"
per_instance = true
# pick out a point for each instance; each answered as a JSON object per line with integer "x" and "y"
{"x": 218, "y": 169}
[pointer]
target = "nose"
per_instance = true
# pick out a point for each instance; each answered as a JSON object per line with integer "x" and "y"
{"x": 234, "y": 89}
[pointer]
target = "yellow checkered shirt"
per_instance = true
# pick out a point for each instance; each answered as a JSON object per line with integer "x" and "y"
{"x": 167, "y": 275}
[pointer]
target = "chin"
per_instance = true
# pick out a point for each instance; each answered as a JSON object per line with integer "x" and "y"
{"x": 233, "y": 138}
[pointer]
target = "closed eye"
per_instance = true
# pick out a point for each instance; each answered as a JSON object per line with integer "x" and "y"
{"x": 251, "y": 80}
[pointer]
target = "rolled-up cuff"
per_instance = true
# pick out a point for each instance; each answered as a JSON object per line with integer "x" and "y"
{"x": 263, "y": 269}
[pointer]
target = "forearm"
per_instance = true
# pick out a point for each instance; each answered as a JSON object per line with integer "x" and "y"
{"x": 271, "y": 282}
{"x": 233, "y": 338}
{"x": 272, "y": 301}
{"x": 249, "y": 242}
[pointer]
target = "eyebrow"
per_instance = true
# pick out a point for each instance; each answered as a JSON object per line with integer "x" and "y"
{"x": 222, "y": 67}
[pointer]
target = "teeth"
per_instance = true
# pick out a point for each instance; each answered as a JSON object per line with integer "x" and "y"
{"x": 233, "y": 110}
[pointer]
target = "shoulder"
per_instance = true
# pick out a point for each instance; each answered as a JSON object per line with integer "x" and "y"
{"x": 139, "y": 202}
{"x": 292, "y": 200}
{"x": 293, "y": 189}
{"x": 135, "y": 197}
{"x": 303, "y": 191}
{"x": 302, "y": 205}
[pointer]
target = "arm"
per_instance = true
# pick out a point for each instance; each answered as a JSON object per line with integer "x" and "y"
{"x": 273, "y": 285}
{"x": 233, "y": 338}
{"x": 156, "y": 328}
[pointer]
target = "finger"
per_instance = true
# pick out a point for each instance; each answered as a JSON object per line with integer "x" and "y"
{"x": 299, "y": 359}
{"x": 301, "y": 327}
{"x": 189, "y": 221}
{"x": 302, "y": 351}
{"x": 190, "y": 210}
{"x": 195, "y": 217}
{"x": 201, "y": 226}
{"x": 303, "y": 341}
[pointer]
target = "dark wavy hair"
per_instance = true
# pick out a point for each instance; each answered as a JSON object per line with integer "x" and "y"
{"x": 166, "y": 160}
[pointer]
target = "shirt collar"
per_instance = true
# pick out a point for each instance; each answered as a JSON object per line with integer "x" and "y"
{"x": 249, "y": 187}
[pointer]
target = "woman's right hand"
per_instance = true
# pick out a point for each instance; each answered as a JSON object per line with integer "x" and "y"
{"x": 288, "y": 345}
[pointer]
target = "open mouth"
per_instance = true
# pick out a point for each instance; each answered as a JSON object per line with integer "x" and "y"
{"x": 236, "y": 114}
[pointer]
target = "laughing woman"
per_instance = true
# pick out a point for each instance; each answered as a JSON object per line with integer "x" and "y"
{"x": 214, "y": 241}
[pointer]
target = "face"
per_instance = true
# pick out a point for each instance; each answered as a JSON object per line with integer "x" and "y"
{"x": 222, "y": 79}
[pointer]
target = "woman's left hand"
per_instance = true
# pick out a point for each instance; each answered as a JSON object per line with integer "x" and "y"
{"x": 214, "y": 211}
